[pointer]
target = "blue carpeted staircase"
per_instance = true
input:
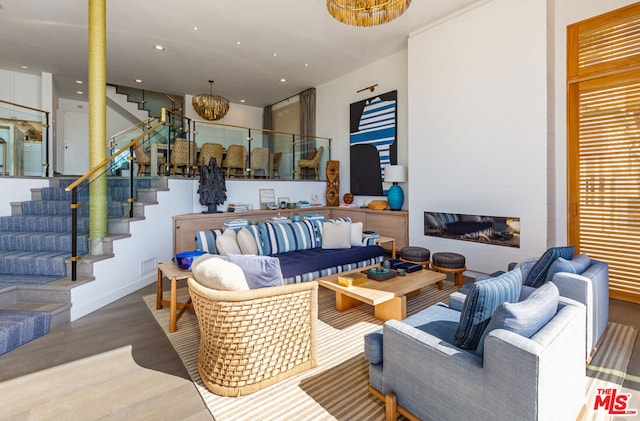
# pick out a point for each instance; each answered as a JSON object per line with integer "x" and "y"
{"x": 35, "y": 244}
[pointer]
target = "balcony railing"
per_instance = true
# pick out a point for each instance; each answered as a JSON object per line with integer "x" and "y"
{"x": 24, "y": 140}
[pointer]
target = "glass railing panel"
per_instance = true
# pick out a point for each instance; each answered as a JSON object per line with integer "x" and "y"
{"x": 224, "y": 135}
{"x": 23, "y": 141}
{"x": 283, "y": 144}
{"x": 284, "y": 149}
{"x": 154, "y": 143}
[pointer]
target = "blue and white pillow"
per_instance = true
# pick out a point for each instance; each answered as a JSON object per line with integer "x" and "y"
{"x": 206, "y": 241}
{"x": 282, "y": 238}
{"x": 525, "y": 317}
{"x": 481, "y": 301}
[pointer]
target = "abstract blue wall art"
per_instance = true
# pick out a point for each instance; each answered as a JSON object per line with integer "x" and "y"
{"x": 373, "y": 142}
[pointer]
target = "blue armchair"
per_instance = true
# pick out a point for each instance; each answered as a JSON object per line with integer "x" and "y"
{"x": 590, "y": 287}
{"x": 416, "y": 369}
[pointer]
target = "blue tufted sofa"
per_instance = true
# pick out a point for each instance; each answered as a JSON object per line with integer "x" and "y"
{"x": 299, "y": 248}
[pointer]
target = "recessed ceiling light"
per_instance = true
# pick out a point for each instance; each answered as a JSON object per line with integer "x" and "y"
{"x": 238, "y": 43}
{"x": 242, "y": 101}
{"x": 24, "y": 67}
{"x": 195, "y": 28}
{"x": 79, "y": 92}
{"x": 79, "y": 82}
{"x": 158, "y": 47}
{"x": 306, "y": 65}
{"x": 283, "y": 80}
{"x": 139, "y": 81}
{"x": 275, "y": 54}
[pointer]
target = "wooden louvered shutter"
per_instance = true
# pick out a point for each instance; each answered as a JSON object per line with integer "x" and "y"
{"x": 604, "y": 144}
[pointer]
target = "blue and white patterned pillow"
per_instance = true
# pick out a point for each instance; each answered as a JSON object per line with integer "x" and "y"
{"x": 281, "y": 238}
{"x": 481, "y": 301}
{"x": 206, "y": 240}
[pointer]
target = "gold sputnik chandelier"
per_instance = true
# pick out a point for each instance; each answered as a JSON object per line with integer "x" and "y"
{"x": 366, "y": 12}
{"x": 210, "y": 106}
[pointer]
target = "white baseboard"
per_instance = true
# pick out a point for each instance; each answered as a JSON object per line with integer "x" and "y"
{"x": 90, "y": 298}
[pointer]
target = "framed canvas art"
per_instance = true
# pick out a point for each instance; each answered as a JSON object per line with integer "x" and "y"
{"x": 373, "y": 142}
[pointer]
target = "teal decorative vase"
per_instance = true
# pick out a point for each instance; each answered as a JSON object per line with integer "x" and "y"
{"x": 395, "y": 197}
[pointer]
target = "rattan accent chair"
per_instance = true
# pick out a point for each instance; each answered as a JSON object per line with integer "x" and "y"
{"x": 182, "y": 157}
{"x": 235, "y": 160}
{"x": 210, "y": 150}
{"x": 252, "y": 339}
{"x": 143, "y": 160}
{"x": 259, "y": 162}
{"x": 312, "y": 163}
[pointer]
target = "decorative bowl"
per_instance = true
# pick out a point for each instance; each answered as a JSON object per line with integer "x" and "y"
{"x": 185, "y": 259}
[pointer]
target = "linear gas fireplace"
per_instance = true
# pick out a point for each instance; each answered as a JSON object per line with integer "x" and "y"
{"x": 498, "y": 230}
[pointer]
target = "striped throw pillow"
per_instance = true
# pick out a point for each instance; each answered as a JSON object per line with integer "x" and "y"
{"x": 538, "y": 273}
{"x": 283, "y": 237}
{"x": 481, "y": 301}
{"x": 206, "y": 241}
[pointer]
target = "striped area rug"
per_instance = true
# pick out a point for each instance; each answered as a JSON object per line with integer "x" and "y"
{"x": 337, "y": 388}
{"x": 318, "y": 394}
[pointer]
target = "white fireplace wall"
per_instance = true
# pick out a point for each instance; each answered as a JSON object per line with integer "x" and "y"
{"x": 477, "y": 102}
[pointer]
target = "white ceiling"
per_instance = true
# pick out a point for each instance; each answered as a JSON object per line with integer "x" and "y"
{"x": 312, "y": 48}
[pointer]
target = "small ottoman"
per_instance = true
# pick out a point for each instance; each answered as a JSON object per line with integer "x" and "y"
{"x": 417, "y": 255}
{"x": 447, "y": 262}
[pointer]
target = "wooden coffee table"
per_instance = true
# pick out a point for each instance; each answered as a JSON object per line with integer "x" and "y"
{"x": 389, "y": 298}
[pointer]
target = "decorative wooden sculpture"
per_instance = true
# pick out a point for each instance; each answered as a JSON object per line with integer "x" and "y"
{"x": 333, "y": 183}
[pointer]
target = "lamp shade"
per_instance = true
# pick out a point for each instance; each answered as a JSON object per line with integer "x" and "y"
{"x": 395, "y": 173}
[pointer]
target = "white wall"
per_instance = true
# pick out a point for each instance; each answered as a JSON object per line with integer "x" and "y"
{"x": 568, "y": 12}
{"x": 333, "y": 100}
{"x": 478, "y": 126}
{"x": 17, "y": 190}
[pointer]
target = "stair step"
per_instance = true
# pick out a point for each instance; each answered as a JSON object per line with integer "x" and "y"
{"x": 41, "y": 241}
{"x": 18, "y": 327}
{"x": 33, "y": 263}
{"x": 35, "y": 223}
{"x": 7, "y": 281}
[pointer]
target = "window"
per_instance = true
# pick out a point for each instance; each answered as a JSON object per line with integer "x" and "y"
{"x": 604, "y": 144}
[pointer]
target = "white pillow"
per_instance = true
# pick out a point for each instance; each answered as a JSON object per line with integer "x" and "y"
{"x": 227, "y": 243}
{"x": 336, "y": 235}
{"x": 216, "y": 273}
{"x": 246, "y": 242}
{"x": 356, "y": 234}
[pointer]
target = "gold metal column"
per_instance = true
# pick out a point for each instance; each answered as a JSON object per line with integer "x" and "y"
{"x": 97, "y": 116}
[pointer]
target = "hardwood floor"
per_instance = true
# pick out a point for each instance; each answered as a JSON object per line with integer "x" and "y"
{"x": 128, "y": 322}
